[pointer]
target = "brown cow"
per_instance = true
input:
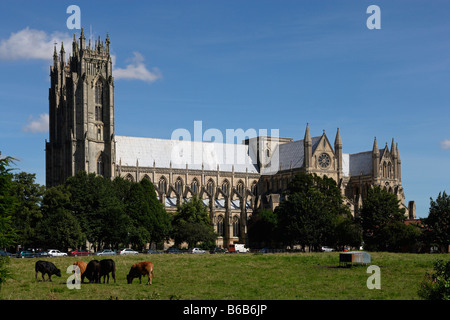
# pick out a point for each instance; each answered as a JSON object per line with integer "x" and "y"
{"x": 141, "y": 269}
{"x": 82, "y": 265}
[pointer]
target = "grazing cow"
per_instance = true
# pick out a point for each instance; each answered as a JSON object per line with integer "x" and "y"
{"x": 82, "y": 265}
{"x": 92, "y": 272}
{"x": 141, "y": 269}
{"x": 107, "y": 266}
{"x": 46, "y": 267}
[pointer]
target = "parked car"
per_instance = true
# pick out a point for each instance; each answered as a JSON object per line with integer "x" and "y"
{"x": 25, "y": 254}
{"x": 128, "y": 251}
{"x": 151, "y": 251}
{"x": 218, "y": 250}
{"x": 327, "y": 249}
{"x": 5, "y": 254}
{"x": 56, "y": 253}
{"x": 196, "y": 250}
{"x": 106, "y": 252}
{"x": 77, "y": 253}
{"x": 174, "y": 250}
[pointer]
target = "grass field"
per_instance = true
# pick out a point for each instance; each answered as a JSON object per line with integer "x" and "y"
{"x": 286, "y": 276}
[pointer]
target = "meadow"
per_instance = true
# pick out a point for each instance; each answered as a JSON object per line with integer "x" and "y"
{"x": 281, "y": 276}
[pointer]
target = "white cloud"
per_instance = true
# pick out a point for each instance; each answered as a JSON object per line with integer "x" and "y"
{"x": 445, "y": 144}
{"x": 33, "y": 44}
{"x": 37, "y": 125}
{"x": 137, "y": 70}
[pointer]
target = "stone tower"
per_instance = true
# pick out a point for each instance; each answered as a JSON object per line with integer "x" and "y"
{"x": 81, "y": 110}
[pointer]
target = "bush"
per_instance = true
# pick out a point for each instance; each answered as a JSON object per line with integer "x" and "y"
{"x": 436, "y": 286}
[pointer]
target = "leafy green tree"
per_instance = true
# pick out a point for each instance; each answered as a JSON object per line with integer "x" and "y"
{"x": 346, "y": 232}
{"x": 191, "y": 223}
{"x": 101, "y": 214}
{"x": 262, "y": 227}
{"x": 380, "y": 215}
{"x": 307, "y": 214}
{"x": 58, "y": 227}
{"x": 7, "y": 204}
{"x": 437, "y": 231}
{"x": 160, "y": 219}
{"x": 27, "y": 212}
{"x": 436, "y": 286}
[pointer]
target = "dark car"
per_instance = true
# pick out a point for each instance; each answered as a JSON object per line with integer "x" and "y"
{"x": 151, "y": 251}
{"x": 25, "y": 254}
{"x": 77, "y": 253}
{"x": 218, "y": 250}
{"x": 5, "y": 254}
{"x": 174, "y": 250}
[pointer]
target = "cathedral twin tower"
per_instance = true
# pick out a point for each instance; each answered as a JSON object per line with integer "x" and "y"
{"x": 82, "y": 137}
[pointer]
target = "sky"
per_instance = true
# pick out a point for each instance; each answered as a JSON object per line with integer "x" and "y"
{"x": 250, "y": 64}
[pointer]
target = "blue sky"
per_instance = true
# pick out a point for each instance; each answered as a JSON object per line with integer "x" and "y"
{"x": 248, "y": 64}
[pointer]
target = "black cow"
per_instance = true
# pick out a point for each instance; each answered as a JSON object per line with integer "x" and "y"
{"x": 46, "y": 267}
{"x": 107, "y": 266}
{"x": 93, "y": 271}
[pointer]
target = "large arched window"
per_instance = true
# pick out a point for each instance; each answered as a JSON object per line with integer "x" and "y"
{"x": 179, "y": 186}
{"x": 194, "y": 186}
{"x": 226, "y": 188}
{"x": 235, "y": 226}
{"x": 220, "y": 226}
{"x": 98, "y": 100}
{"x": 255, "y": 189}
{"x": 240, "y": 188}
{"x": 162, "y": 185}
{"x": 100, "y": 165}
{"x": 210, "y": 187}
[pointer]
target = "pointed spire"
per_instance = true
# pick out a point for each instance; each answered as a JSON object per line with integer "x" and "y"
{"x": 307, "y": 134}
{"x": 375, "y": 150}
{"x": 107, "y": 42}
{"x": 82, "y": 39}
{"x": 55, "y": 55}
{"x": 338, "y": 141}
{"x": 397, "y": 153}
{"x": 393, "y": 153}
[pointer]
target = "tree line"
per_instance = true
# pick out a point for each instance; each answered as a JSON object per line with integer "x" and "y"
{"x": 313, "y": 214}
{"x": 113, "y": 213}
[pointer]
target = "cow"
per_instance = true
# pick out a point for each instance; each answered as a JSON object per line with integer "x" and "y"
{"x": 46, "y": 267}
{"x": 92, "y": 272}
{"x": 82, "y": 266}
{"x": 141, "y": 269}
{"x": 107, "y": 266}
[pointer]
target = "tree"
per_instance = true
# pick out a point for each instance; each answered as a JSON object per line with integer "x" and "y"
{"x": 262, "y": 228}
{"x": 437, "y": 231}
{"x": 380, "y": 215}
{"x": 191, "y": 223}
{"x": 27, "y": 212}
{"x": 436, "y": 286}
{"x": 307, "y": 214}
{"x": 7, "y": 203}
{"x": 58, "y": 227}
{"x": 160, "y": 219}
{"x": 101, "y": 214}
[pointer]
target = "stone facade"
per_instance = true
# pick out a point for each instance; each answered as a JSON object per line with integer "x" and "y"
{"x": 81, "y": 103}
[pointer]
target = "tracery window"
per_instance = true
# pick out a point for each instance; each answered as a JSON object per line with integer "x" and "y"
{"x": 226, "y": 188}
{"x": 210, "y": 187}
{"x": 100, "y": 165}
{"x": 220, "y": 226}
{"x": 194, "y": 186}
{"x": 179, "y": 185}
{"x": 235, "y": 226}
{"x": 162, "y": 185}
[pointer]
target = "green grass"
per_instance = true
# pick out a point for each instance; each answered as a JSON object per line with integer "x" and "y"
{"x": 299, "y": 276}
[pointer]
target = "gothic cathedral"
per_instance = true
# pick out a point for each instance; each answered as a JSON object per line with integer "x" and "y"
{"x": 82, "y": 137}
